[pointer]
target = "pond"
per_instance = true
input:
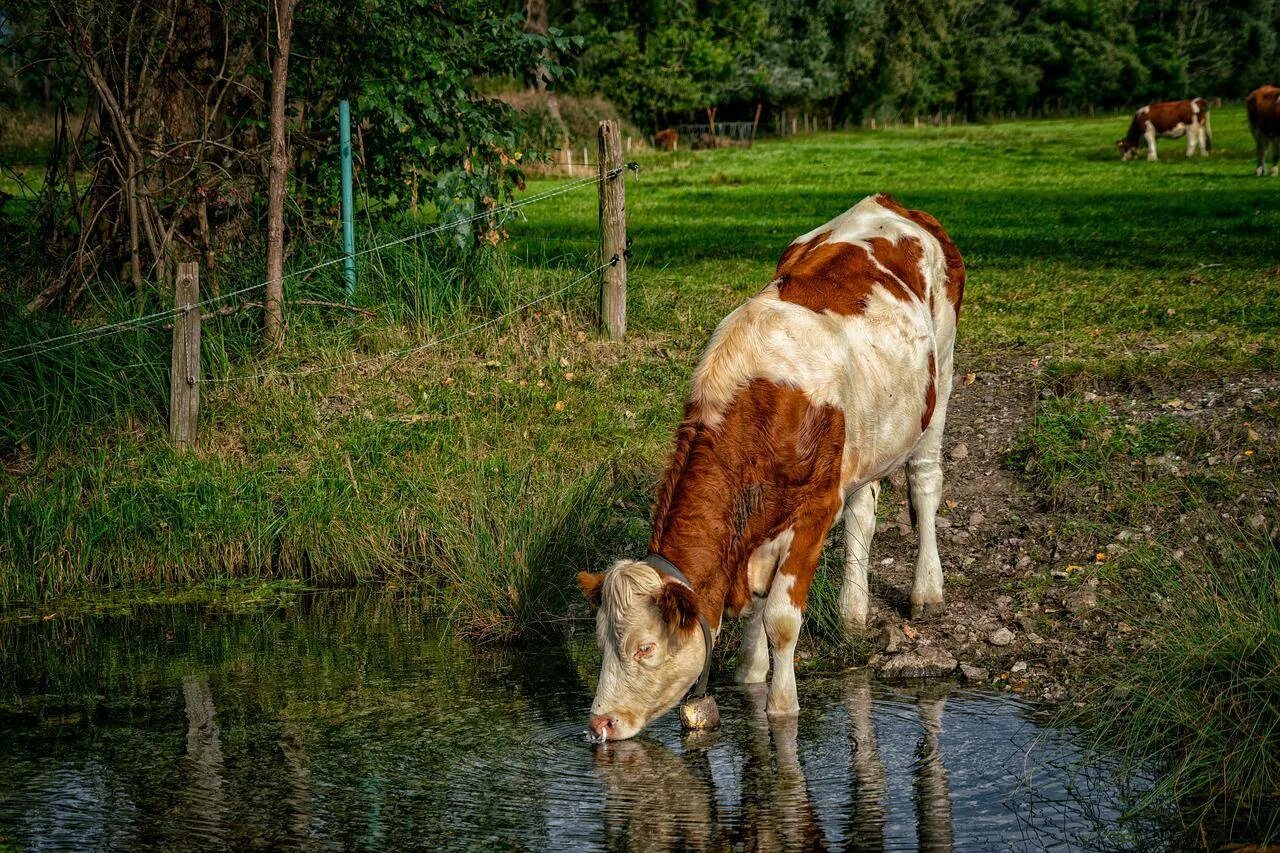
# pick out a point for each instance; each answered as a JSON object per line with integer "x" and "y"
{"x": 346, "y": 720}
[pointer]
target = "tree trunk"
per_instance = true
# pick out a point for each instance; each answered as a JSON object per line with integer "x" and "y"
{"x": 273, "y": 318}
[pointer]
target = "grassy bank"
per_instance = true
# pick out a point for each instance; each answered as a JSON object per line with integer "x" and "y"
{"x": 1111, "y": 273}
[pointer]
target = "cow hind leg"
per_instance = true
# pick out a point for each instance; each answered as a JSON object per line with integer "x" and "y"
{"x": 1260, "y": 142}
{"x": 753, "y": 655}
{"x": 1275, "y": 158}
{"x": 859, "y": 527}
{"x": 924, "y": 478}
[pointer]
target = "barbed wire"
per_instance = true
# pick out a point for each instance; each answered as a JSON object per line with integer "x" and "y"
{"x": 36, "y": 348}
{"x": 399, "y": 354}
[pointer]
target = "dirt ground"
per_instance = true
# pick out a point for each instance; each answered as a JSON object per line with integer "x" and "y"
{"x": 1022, "y": 597}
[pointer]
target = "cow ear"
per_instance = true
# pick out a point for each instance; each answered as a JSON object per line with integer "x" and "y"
{"x": 678, "y": 606}
{"x": 591, "y": 582}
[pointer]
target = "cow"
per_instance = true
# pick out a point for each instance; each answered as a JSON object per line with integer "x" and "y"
{"x": 1263, "y": 106}
{"x": 810, "y": 392}
{"x": 666, "y": 139}
{"x": 1172, "y": 119}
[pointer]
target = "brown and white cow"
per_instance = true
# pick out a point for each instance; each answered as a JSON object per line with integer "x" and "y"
{"x": 1263, "y": 106}
{"x": 835, "y": 374}
{"x": 1170, "y": 119}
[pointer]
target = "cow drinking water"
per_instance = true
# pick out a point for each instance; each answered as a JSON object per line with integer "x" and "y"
{"x": 835, "y": 374}
{"x": 1263, "y": 106}
{"x": 1170, "y": 119}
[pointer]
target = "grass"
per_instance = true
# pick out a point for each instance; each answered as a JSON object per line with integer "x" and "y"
{"x": 1188, "y": 682}
{"x": 1198, "y": 689}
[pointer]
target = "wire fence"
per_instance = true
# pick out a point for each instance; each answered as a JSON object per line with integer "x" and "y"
{"x": 34, "y": 349}
{"x": 396, "y": 355}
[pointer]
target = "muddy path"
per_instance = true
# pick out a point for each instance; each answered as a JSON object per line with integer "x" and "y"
{"x": 1023, "y": 584}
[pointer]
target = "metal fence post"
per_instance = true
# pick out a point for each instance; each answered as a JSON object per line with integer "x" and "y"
{"x": 184, "y": 373}
{"x": 348, "y": 202}
{"x": 613, "y": 231}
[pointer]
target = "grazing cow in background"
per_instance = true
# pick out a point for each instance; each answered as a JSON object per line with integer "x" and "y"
{"x": 1171, "y": 119}
{"x": 666, "y": 139}
{"x": 1263, "y": 106}
{"x": 835, "y": 374}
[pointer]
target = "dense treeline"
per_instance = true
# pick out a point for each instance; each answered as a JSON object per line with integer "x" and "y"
{"x": 183, "y": 131}
{"x": 885, "y": 58}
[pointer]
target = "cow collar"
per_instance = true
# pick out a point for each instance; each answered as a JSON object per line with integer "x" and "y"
{"x": 663, "y": 566}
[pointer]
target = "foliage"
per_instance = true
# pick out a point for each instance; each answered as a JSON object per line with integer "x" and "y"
{"x": 879, "y": 57}
{"x": 409, "y": 68}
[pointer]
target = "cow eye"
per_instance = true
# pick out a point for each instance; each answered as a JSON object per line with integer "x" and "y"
{"x": 644, "y": 650}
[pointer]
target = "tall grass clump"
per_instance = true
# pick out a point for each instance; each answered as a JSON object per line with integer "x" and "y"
{"x": 503, "y": 557}
{"x": 1198, "y": 699}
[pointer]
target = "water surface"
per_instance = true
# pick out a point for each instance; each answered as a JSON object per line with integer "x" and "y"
{"x": 346, "y": 720}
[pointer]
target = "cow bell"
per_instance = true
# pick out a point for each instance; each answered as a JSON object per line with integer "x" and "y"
{"x": 700, "y": 714}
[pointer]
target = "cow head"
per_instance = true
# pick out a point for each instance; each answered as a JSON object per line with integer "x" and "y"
{"x": 1127, "y": 150}
{"x": 651, "y": 647}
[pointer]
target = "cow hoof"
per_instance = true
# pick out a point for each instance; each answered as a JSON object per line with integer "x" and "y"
{"x": 925, "y": 610}
{"x": 783, "y": 707}
{"x": 854, "y": 629}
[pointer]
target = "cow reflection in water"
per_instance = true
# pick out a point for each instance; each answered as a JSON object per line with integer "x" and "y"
{"x": 657, "y": 800}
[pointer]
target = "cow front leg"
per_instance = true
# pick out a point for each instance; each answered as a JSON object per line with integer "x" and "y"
{"x": 924, "y": 478}
{"x": 753, "y": 655}
{"x": 859, "y": 527}
{"x": 1151, "y": 142}
{"x": 1275, "y": 158}
{"x": 1260, "y": 142}
{"x": 784, "y": 609}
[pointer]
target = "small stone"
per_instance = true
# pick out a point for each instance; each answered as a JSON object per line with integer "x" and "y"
{"x": 974, "y": 673}
{"x": 1000, "y": 637}
{"x": 1024, "y": 561}
{"x": 976, "y": 519}
{"x": 960, "y": 451}
{"x": 1258, "y": 522}
{"x": 1019, "y": 666}
{"x": 893, "y": 640}
{"x": 1083, "y": 599}
{"x": 931, "y": 662}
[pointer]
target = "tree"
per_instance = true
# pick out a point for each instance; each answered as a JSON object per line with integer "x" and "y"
{"x": 278, "y": 171}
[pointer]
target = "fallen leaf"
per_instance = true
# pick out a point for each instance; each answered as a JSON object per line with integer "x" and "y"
{"x": 970, "y": 378}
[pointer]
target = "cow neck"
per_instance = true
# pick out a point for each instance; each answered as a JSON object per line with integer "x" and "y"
{"x": 696, "y": 533}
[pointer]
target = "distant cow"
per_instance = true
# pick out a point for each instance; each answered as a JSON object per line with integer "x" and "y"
{"x": 1264, "y": 122}
{"x": 666, "y": 140}
{"x": 832, "y": 376}
{"x": 1170, "y": 119}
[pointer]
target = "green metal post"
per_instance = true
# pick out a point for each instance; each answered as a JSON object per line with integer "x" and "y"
{"x": 348, "y": 215}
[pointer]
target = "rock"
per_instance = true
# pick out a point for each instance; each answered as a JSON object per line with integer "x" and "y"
{"x": 976, "y": 519}
{"x": 893, "y": 639}
{"x": 1019, "y": 666}
{"x": 1083, "y": 599}
{"x": 930, "y": 662}
{"x": 960, "y": 451}
{"x": 974, "y": 673}
{"x": 1000, "y": 637}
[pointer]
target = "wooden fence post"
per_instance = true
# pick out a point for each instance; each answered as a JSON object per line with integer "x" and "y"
{"x": 613, "y": 231}
{"x": 184, "y": 374}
